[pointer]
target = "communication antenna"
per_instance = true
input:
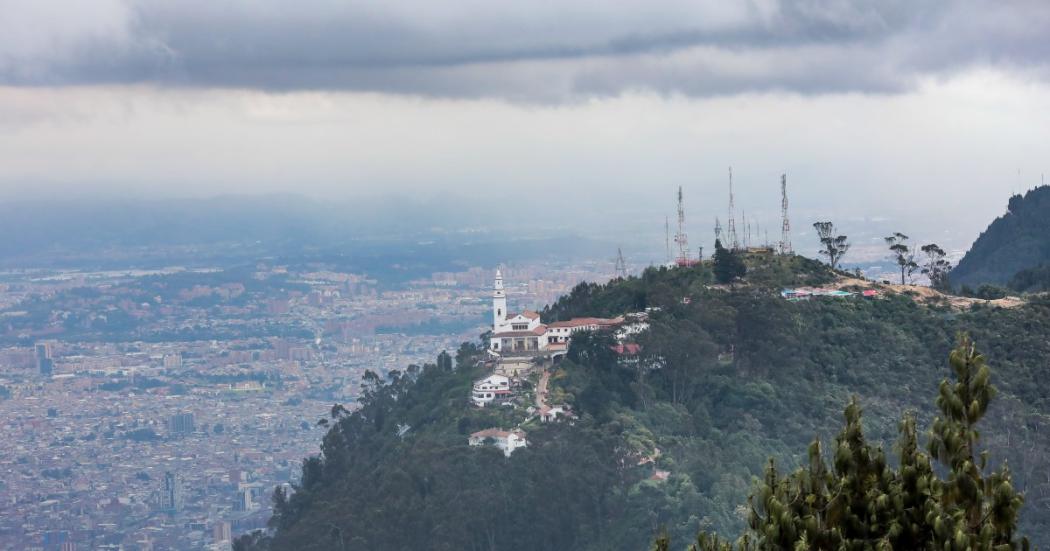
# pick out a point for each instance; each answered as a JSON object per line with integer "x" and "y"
{"x": 785, "y": 227}
{"x": 747, "y": 230}
{"x": 731, "y": 231}
{"x": 621, "y": 264}
{"x": 718, "y": 229}
{"x": 667, "y": 238}
{"x": 680, "y": 238}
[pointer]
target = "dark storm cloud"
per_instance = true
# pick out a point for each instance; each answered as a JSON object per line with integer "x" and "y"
{"x": 532, "y": 51}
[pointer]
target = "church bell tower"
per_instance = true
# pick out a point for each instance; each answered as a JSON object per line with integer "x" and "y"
{"x": 499, "y": 303}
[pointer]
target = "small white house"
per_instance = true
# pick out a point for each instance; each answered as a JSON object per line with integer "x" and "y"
{"x": 490, "y": 388}
{"x": 549, "y": 414}
{"x": 505, "y": 440}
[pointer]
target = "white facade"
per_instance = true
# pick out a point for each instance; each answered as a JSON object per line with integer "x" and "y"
{"x": 506, "y": 441}
{"x": 499, "y": 303}
{"x": 549, "y": 414}
{"x": 524, "y": 333}
{"x": 489, "y": 389}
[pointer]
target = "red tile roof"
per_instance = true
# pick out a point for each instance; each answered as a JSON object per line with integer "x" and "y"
{"x": 538, "y": 331}
{"x": 580, "y": 322}
{"x": 629, "y": 349}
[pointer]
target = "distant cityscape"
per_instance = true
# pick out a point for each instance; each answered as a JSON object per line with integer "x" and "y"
{"x": 159, "y": 409}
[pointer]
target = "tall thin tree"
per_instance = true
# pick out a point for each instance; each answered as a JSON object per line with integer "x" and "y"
{"x": 903, "y": 254}
{"x": 834, "y": 247}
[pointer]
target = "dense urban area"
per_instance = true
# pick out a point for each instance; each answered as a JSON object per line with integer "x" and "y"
{"x": 158, "y": 409}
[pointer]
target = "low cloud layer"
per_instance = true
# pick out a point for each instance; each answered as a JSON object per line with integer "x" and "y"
{"x": 531, "y": 51}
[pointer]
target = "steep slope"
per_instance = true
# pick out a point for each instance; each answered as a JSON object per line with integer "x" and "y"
{"x": 1018, "y": 240}
{"x": 669, "y": 439}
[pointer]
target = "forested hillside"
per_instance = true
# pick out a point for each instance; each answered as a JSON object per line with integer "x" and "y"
{"x": 727, "y": 377}
{"x": 1018, "y": 240}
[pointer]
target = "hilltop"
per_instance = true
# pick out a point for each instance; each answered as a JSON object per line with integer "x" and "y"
{"x": 1015, "y": 242}
{"x": 667, "y": 438}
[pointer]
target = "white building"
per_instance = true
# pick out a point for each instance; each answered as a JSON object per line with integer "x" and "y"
{"x": 525, "y": 332}
{"x": 490, "y": 388}
{"x": 549, "y": 414}
{"x": 505, "y": 440}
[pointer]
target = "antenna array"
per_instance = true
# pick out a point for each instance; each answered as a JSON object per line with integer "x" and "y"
{"x": 785, "y": 228}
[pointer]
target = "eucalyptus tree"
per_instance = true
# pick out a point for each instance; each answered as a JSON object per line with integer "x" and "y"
{"x": 903, "y": 254}
{"x": 834, "y": 247}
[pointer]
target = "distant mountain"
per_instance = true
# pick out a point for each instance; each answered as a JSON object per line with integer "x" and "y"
{"x": 1016, "y": 241}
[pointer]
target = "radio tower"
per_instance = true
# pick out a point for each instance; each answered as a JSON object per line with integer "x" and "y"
{"x": 680, "y": 238}
{"x": 621, "y": 264}
{"x": 667, "y": 238}
{"x": 747, "y": 229}
{"x": 731, "y": 231}
{"x": 718, "y": 229}
{"x": 785, "y": 228}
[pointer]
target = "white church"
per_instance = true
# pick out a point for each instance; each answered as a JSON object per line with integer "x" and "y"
{"x": 524, "y": 333}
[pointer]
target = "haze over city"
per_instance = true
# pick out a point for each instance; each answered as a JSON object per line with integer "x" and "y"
{"x": 465, "y": 274}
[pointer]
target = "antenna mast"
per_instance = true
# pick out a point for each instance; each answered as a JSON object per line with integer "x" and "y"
{"x": 621, "y": 264}
{"x": 718, "y": 229}
{"x": 667, "y": 238}
{"x": 731, "y": 231}
{"x": 747, "y": 229}
{"x": 680, "y": 238}
{"x": 785, "y": 228}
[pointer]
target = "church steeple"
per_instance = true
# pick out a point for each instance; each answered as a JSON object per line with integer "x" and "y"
{"x": 499, "y": 302}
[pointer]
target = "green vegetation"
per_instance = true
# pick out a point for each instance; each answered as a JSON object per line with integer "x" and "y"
{"x": 675, "y": 438}
{"x": 1016, "y": 241}
{"x": 728, "y": 266}
{"x": 1031, "y": 280}
{"x": 903, "y": 254}
{"x": 833, "y": 247}
{"x": 864, "y": 503}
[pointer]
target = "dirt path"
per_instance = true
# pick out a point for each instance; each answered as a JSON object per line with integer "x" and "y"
{"x": 541, "y": 389}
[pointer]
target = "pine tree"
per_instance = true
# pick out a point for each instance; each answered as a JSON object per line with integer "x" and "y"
{"x": 728, "y": 265}
{"x": 861, "y": 503}
{"x": 978, "y": 511}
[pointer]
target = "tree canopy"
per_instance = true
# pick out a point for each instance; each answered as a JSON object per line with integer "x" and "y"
{"x": 833, "y": 247}
{"x": 862, "y": 502}
{"x": 1017, "y": 240}
{"x": 671, "y": 438}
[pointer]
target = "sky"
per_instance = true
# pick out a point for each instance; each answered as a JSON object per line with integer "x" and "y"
{"x": 931, "y": 113}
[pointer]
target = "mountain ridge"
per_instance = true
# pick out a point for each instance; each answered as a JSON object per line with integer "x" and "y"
{"x": 725, "y": 380}
{"x": 1016, "y": 241}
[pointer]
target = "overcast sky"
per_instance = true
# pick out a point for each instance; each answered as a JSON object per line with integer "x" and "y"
{"x": 890, "y": 108}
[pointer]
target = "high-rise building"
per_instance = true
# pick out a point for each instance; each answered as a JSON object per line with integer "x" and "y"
{"x": 172, "y": 496}
{"x": 221, "y": 532}
{"x": 173, "y": 361}
{"x": 181, "y": 424}
{"x": 45, "y": 365}
{"x": 55, "y": 538}
{"x": 245, "y": 498}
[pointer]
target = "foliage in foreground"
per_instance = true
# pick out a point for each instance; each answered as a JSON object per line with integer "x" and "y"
{"x": 863, "y": 503}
